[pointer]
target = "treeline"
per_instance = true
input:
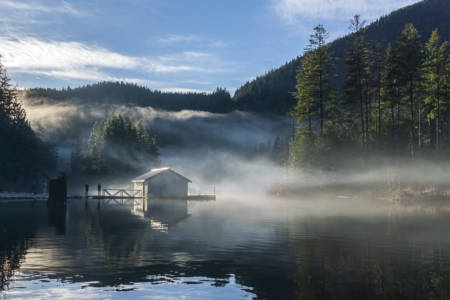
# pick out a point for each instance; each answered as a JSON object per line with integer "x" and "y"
{"x": 271, "y": 92}
{"x": 117, "y": 146}
{"x": 394, "y": 99}
{"x": 218, "y": 101}
{"x": 25, "y": 161}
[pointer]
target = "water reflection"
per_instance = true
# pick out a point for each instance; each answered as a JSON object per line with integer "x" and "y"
{"x": 222, "y": 250}
{"x": 57, "y": 219}
{"x": 162, "y": 213}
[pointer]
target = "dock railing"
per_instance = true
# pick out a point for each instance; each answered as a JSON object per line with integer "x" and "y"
{"x": 122, "y": 193}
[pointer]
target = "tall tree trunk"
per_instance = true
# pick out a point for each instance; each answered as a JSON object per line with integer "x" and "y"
{"x": 379, "y": 114}
{"x": 432, "y": 126}
{"x": 367, "y": 114}
{"x": 321, "y": 103}
{"x": 438, "y": 117}
{"x": 420, "y": 127}
{"x": 309, "y": 121}
{"x": 393, "y": 117}
{"x": 412, "y": 128}
{"x": 362, "y": 120}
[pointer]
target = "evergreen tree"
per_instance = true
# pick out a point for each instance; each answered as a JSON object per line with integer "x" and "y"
{"x": 435, "y": 74}
{"x": 25, "y": 160}
{"x": 116, "y": 146}
{"x": 315, "y": 97}
{"x": 307, "y": 86}
{"x": 313, "y": 80}
{"x": 377, "y": 75}
{"x": 357, "y": 78}
{"x": 389, "y": 92}
{"x": 408, "y": 57}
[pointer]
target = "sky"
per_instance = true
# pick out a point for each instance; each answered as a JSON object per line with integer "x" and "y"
{"x": 169, "y": 45}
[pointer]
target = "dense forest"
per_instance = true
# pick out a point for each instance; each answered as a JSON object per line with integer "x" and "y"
{"x": 394, "y": 100}
{"x": 116, "y": 146}
{"x": 25, "y": 161}
{"x": 271, "y": 92}
{"x": 218, "y": 101}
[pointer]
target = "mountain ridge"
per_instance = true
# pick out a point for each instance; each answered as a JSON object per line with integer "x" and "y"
{"x": 271, "y": 92}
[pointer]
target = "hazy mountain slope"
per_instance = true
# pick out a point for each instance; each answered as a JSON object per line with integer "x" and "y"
{"x": 271, "y": 92}
{"x": 122, "y": 93}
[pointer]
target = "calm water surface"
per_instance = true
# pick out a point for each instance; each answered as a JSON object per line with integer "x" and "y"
{"x": 228, "y": 249}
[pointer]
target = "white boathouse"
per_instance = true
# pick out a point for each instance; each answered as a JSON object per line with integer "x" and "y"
{"x": 162, "y": 182}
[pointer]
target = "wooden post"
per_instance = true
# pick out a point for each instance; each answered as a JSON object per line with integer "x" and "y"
{"x": 99, "y": 188}
{"x": 57, "y": 191}
{"x": 86, "y": 190}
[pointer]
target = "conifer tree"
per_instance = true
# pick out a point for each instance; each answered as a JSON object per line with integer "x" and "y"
{"x": 377, "y": 75}
{"x": 389, "y": 91}
{"x": 313, "y": 80}
{"x": 409, "y": 56}
{"x": 306, "y": 107}
{"x": 357, "y": 78}
{"x": 24, "y": 158}
{"x": 116, "y": 145}
{"x": 314, "y": 96}
{"x": 434, "y": 75}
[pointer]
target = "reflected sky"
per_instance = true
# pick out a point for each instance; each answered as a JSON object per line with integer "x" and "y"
{"x": 229, "y": 249}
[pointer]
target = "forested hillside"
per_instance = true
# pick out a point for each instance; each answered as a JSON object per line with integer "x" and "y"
{"x": 218, "y": 101}
{"x": 394, "y": 101}
{"x": 272, "y": 92}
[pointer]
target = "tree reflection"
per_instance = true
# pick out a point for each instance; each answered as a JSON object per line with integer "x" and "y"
{"x": 363, "y": 265}
{"x": 18, "y": 224}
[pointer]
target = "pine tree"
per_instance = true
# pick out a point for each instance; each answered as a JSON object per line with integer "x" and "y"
{"x": 434, "y": 74}
{"x": 357, "y": 78}
{"x": 409, "y": 56}
{"x": 389, "y": 92}
{"x": 307, "y": 87}
{"x": 24, "y": 158}
{"x": 377, "y": 76}
{"x": 314, "y": 97}
{"x": 116, "y": 145}
{"x": 313, "y": 80}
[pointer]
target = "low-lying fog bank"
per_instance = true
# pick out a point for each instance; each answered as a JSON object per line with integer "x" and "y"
{"x": 67, "y": 124}
{"x": 213, "y": 150}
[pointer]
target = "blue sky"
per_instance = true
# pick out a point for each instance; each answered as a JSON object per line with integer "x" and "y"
{"x": 181, "y": 45}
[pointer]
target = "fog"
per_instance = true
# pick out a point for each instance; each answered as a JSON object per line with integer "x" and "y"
{"x": 208, "y": 148}
{"x": 216, "y": 151}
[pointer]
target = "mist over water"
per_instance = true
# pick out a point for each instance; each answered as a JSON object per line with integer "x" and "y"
{"x": 218, "y": 150}
{"x": 272, "y": 233}
{"x": 241, "y": 246}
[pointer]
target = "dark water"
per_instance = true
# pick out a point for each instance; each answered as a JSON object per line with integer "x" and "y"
{"x": 229, "y": 249}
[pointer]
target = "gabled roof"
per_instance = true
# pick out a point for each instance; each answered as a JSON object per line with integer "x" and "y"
{"x": 154, "y": 172}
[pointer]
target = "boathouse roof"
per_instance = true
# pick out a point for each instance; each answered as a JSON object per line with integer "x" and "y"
{"x": 155, "y": 172}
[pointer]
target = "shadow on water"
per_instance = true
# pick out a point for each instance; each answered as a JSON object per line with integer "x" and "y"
{"x": 282, "y": 252}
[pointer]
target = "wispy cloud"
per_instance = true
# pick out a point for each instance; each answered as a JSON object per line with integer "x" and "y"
{"x": 39, "y": 7}
{"x": 292, "y": 11}
{"x": 174, "y": 39}
{"x": 31, "y": 53}
{"x": 184, "y": 90}
{"x": 177, "y": 38}
{"x": 74, "y": 60}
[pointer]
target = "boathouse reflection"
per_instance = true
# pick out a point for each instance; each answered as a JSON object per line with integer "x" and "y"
{"x": 165, "y": 210}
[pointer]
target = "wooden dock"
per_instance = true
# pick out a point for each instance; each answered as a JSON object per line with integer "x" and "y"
{"x": 107, "y": 194}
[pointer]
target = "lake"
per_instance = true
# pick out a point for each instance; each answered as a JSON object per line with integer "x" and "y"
{"x": 235, "y": 248}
